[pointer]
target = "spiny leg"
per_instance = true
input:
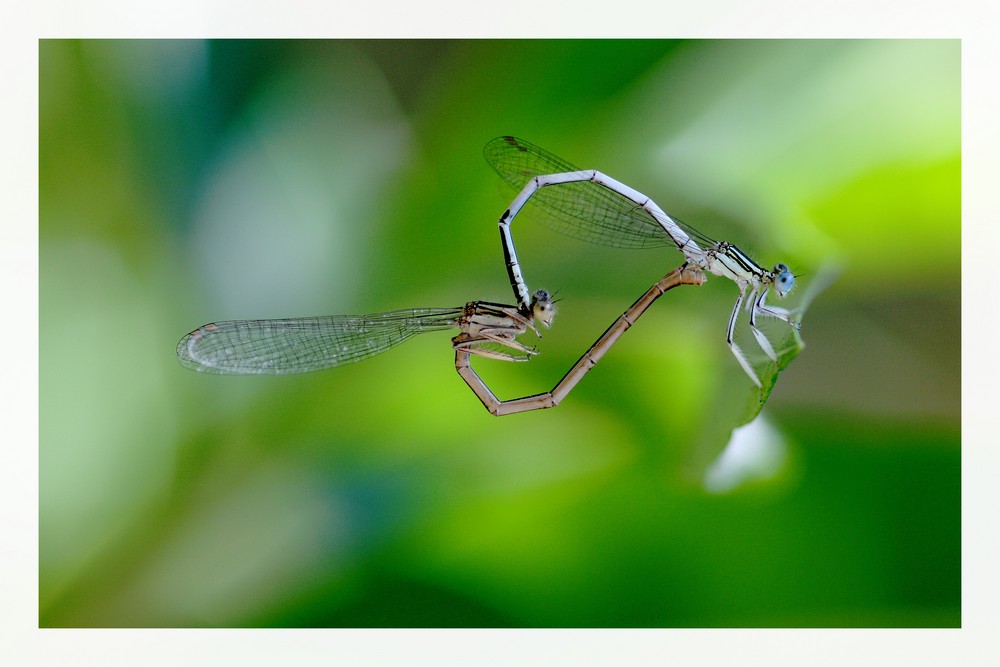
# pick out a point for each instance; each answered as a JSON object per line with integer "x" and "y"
{"x": 474, "y": 345}
{"x": 765, "y": 344}
{"x": 784, "y": 314}
{"x": 495, "y": 318}
{"x": 737, "y": 352}
{"x": 494, "y": 323}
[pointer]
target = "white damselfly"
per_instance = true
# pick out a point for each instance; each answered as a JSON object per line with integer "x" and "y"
{"x": 589, "y": 205}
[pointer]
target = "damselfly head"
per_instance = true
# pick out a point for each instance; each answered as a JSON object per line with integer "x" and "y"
{"x": 542, "y": 307}
{"x": 784, "y": 281}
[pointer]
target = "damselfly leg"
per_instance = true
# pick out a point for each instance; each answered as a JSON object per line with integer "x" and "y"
{"x": 483, "y": 323}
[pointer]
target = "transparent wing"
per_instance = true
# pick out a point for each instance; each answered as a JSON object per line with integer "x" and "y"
{"x": 582, "y": 210}
{"x": 300, "y": 345}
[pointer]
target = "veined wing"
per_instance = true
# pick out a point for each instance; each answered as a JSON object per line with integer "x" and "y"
{"x": 300, "y": 345}
{"x": 583, "y": 210}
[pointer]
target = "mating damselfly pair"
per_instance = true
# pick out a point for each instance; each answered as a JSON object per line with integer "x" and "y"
{"x": 585, "y": 204}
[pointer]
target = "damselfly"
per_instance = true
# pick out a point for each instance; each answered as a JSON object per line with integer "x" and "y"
{"x": 300, "y": 345}
{"x": 592, "y": 206}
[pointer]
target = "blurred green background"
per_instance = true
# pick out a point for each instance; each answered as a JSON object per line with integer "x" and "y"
{"x": 183, "y": 182}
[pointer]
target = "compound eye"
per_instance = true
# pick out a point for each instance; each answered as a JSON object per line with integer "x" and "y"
{"x": 784, "y": 281}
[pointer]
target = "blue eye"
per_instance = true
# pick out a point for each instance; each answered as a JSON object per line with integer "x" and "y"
{"x": 784, "y": 281}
